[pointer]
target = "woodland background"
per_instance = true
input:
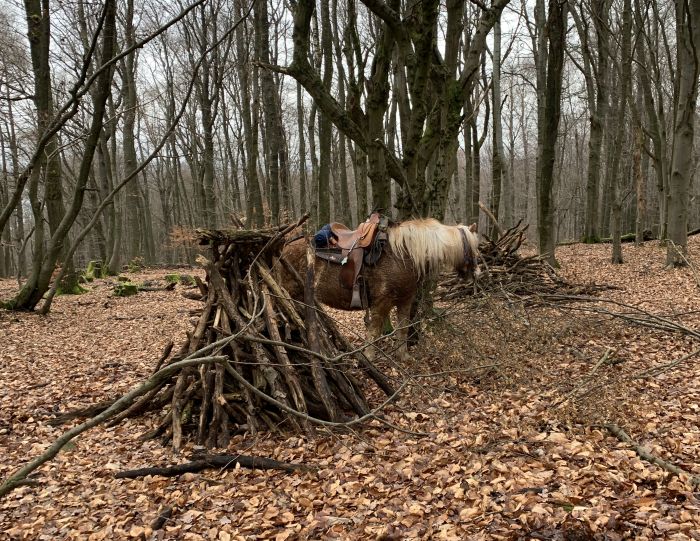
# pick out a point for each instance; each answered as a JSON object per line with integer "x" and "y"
{"x": 124, "y": 125}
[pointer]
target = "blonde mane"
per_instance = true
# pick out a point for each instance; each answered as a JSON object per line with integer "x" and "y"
{"x": 430, "y": 244}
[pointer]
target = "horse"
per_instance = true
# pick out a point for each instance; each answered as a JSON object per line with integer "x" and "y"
{"x": 416, "y": 249}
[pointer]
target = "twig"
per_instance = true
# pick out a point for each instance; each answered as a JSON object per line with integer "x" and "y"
{"x": 644, "y": 454}
{"x": 124, "y": 402}
{"x": 215, "y": 461}
{"x": 493, "y": 219}
{"x": 575, "y": 391}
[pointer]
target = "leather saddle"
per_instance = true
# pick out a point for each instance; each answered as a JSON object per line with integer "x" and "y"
{"x": 353, "y": 244}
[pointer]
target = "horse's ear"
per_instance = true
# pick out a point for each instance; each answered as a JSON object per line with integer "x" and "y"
{"x": 473, "y": 228}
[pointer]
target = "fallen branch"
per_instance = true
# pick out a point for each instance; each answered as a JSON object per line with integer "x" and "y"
{"x": 644, "y": 454}
{"x": 657, "y": 370}
{"x": 636, "y": 315}
{"x": 491, "y": 217}
{"x": 215, "y": 461}
{"x": 16, "y": 479}
{"x": 509, "y": 273}
{"x": 88, "y": 411}
{"x": 168, "y": 287}
{"x": 588, "y": 379}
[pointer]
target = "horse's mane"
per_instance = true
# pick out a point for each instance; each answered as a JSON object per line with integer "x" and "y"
{"x": 430, "y": 244}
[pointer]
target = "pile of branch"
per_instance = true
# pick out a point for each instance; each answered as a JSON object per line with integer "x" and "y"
{"x": 282, "y": 369}
{"x": 505, "y": 271}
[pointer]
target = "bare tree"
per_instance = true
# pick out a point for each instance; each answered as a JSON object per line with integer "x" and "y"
{"x": 429, "y": 100}
{"x": 551, "y": 53}
{"x": 687, "y": 70}
{"x": 45, "y": 262}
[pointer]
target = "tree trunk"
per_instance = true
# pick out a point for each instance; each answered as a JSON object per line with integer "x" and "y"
{"x": 303, "y": 182}
{"x": 39, "y": 32}
{"x": 619, "y": 122}
{"x": 271, "y": 139}
{"x": 254, "y": 207}
{"x": 497, "y": 129}
{"x": 132, "y": 204}
{"x": 38, "y": 283}
{"x": 556, "y": 32}
{"x": 687, "y": 68}
{"x": 641, "y": 187}
{"x": 325, "y": 126}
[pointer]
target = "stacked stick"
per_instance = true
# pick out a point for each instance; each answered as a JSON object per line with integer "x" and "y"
{"x": 285, "y": 362}
{"x": 507, "y": 271}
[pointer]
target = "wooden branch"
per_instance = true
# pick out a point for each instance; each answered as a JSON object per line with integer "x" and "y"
{"x": 281, "y": 296}
{"x": 89, "y": 411}
{"x": 317, "y": 373}
{"x": 286, "y": 366}
{"x": 121, "y": 404}
{"x": 644, "y": 454}
{"x": 371, "y": 415}
{"x": 656, "y": 370}
{"x": 166, "y": 353}
{"x": 493, "y": 219}
{"x": 222, "y": 462}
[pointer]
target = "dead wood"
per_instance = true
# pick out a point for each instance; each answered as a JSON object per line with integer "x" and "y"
{"x": 286, "y": 369}
{"x": 194, "y": 296}
{"x": 509, "y": 273}
{"x": 82, "y": 413}
{"x": 223, "y": 462}
{"x": 645, "y": 454}
{"x": 17, "y": 478}
{"x": 168, "y": 287}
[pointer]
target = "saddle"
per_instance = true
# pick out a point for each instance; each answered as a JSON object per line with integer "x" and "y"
{"x": 353, "y": 245}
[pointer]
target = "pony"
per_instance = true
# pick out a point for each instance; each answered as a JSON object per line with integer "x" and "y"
{"x": 416, "y": 249}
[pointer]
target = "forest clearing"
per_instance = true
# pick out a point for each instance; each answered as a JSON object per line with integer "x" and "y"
{"x": 502, "y": 434}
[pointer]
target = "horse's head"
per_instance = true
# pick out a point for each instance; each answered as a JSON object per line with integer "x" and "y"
{"x": 468, "y": 266}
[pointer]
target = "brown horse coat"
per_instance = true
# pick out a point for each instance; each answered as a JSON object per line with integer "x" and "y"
{"x": 415, "y": 248}
{"x": 391, "y": 280}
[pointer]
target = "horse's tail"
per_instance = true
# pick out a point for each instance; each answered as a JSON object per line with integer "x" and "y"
{"x": 428, "y": 243}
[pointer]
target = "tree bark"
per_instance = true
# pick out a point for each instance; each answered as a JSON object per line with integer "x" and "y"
{"x": 38, "y": 283}
{"x": 556, "y": 32}
{"x": 687, "y": 69}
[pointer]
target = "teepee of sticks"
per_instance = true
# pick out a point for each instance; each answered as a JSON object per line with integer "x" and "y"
{"x": 286, "y": 364}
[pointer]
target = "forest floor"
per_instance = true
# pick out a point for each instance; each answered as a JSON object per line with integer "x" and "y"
{"x": 512, "y": 399}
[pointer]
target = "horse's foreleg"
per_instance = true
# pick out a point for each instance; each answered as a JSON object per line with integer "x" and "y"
{"x": 377, "y": 316}
{"x": 403, "y": 317}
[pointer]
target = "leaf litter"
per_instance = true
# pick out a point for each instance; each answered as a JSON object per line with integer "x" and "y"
{"x": 514, "y": 400}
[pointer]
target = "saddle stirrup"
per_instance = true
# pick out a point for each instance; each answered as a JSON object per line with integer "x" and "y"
{"x": 356, "y": 301}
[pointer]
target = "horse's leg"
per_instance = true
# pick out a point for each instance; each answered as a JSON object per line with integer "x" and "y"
{"x": 378, "y": 313}
{"x": 403, "y": 320}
